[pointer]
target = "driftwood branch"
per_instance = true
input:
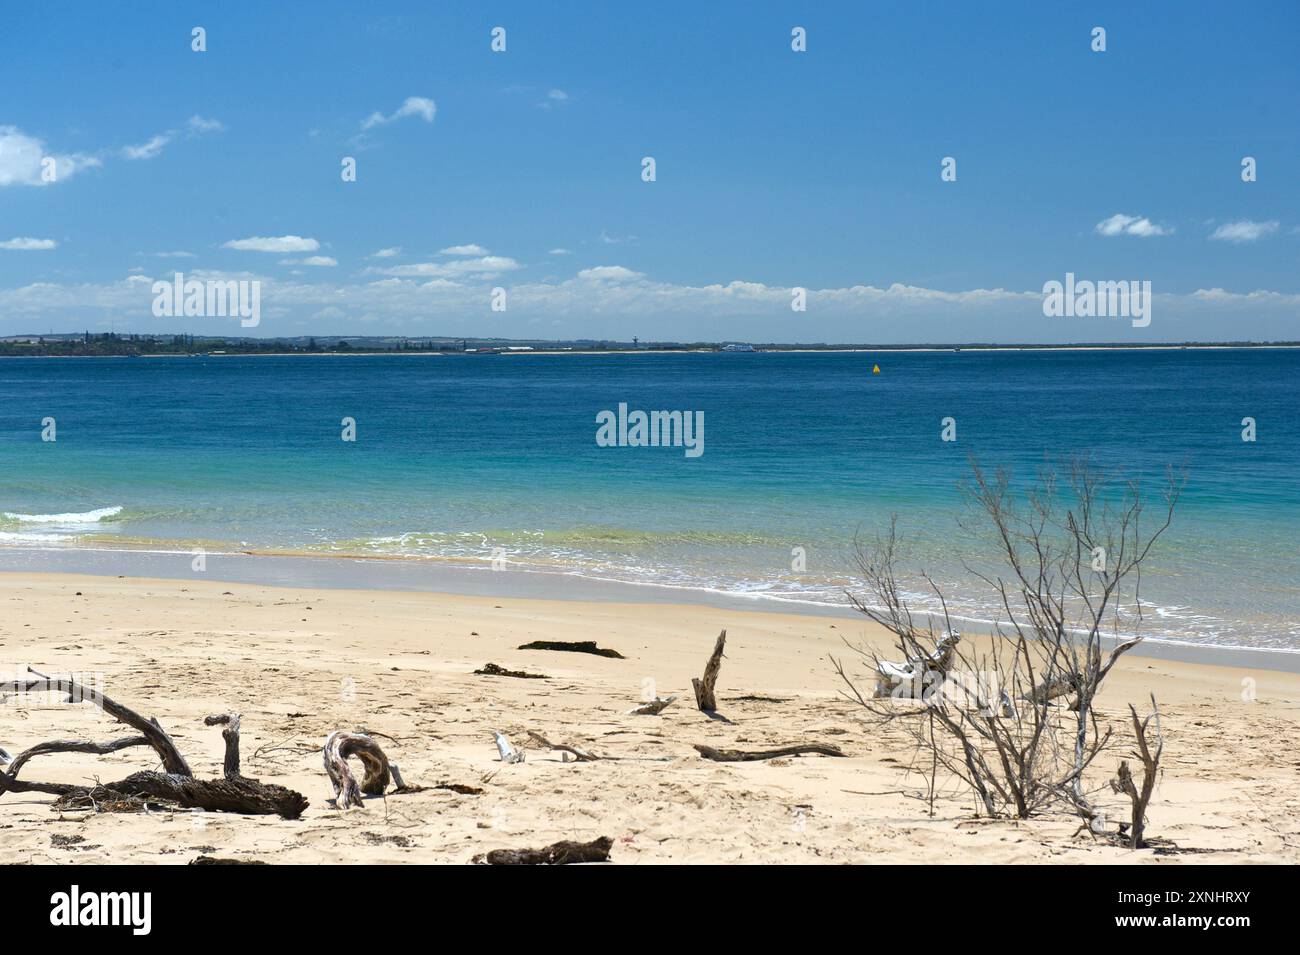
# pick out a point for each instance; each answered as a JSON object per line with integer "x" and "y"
{"x": 572, "y": 646}
{"x": 704, "y": 697}
{"x": 347, "y": 792}
{"x": 744, "y": 756}
{"x": 917, "y": 677}
{"x": 1150, "y": 756}
{"x": 653, "y": 707}
{"x": 174, "y": 786}
{"x": 492, "y": 669}
{"x": 240, "y": 795}
{"x": 73, "y": 746}
{"x": 172, "y": 760}
{"x": 1051, "y": 688}
{"x": 581, "y": 755}
{"x": 216, "y": 795}
{"x": 560, "y": 853}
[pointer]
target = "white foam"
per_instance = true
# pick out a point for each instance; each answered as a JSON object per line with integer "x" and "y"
{"x": 8, "y": 538}
{"x": 85, "y": 517}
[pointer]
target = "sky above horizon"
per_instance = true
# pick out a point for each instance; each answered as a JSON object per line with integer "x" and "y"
{"x": 522, "y": 170}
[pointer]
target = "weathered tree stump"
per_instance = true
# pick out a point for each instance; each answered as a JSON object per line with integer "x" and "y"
{"x": 704, "y": 697}
{"x": 230, "y": 765}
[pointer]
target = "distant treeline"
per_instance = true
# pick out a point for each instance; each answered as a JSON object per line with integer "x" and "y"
{"x": 122, "y": 345}
{"x": 115, "y": 344}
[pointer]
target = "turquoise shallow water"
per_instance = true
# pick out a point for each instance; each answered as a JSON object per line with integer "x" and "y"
{"x": 458, "y": 455}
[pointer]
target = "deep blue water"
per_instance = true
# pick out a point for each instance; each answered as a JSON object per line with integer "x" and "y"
{"x": 458, "y": 455}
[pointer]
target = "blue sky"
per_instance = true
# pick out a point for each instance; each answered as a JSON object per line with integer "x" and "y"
{"x": 775, "y": 169}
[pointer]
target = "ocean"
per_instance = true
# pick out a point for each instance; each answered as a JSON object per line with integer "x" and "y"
{"x": 465, "y": 459}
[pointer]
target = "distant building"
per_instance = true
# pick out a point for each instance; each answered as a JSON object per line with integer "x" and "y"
{"x": 738, "y": 346}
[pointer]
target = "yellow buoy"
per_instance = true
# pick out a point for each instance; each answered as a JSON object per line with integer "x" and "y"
{"x": 875, "y": 369}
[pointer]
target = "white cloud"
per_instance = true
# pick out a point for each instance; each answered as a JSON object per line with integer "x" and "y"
{"x": 463, "y": 250}
{"x": 1140, "y": 226}
{"x": 174, "y": 255}
{"x": 420, "y": 106}
{"x": 1244, "y": 231}
{"x": 610, "y": 273}
{"x": 615, "y": 239}
{"x": 387, "y": 253}
{"x": 484, "y": 266}
{"x": 1145, "y": 228}
{"x": 21, "y": 160}
{"x": 147, "y": 150}
{"x": 615, "y": 302}
{"x": 282, "y": 243}
{"x": 194, "y": 126}
{"x": 24, "y": 243}
{"x": 198, "y": 124}
{"x": 1221, "y": 296}
{"x": 316, "y": 260}
{"x": 559, "y": 95}
{"x": 559, "y": 252}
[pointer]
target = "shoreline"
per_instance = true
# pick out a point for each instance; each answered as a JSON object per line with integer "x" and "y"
{"x": 396, "y": 574}
{"x": 759, "y": 350}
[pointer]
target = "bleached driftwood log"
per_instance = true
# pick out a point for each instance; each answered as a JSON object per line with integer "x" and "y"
{"x": 908, "y": 680}
{"x": 507, "y": 750}
{"x": 704, "y": 697}
{"x": 653, "y": 707}
{"x": 347, "y": 791}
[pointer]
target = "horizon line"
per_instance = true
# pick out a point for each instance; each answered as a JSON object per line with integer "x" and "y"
{"x": 635, "y": 345}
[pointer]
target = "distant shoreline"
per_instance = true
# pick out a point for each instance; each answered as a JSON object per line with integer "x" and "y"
{"x": 356, "y": 352}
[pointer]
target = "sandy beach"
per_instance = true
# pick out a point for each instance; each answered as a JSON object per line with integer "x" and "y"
{"x": 300, "y": 663}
